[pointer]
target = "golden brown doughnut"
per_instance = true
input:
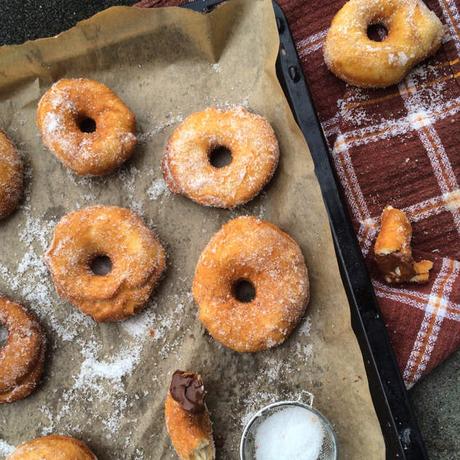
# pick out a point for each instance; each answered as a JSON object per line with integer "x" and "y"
{"x": 28, "y": 384}
{"x": 22, "y": 356}
{"x": 187, "y": 168}
{"x": 245, "y": 250}
{"x": 187, "y": 418}
{"x": 53, "y": 447}
{"x": 87, "y": 126}
{"x": 11, "y": 176}
{"x": 136, "y": 255}
{"x": 414, "y": 33}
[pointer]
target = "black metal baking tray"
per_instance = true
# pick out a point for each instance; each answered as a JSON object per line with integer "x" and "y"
{"x": 402, "y": 435}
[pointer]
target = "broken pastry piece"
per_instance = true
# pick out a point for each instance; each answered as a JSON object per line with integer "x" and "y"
{"x": 187, "y": 418}
{"x": 393, "y": 251}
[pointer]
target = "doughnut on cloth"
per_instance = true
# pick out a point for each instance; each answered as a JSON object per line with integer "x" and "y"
{"x": 256, "y": 251}
{"x": 137, "y": 258}
{"x": 250, "y": 139}
{"x": 99, "y": 151}
{"x": 53, "y": 447}
{"x": 11, "y": 176}
{"x": 414, "y": 33}
{"x": 22, "y": 356}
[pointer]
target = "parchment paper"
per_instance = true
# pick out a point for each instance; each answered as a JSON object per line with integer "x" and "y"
{"x": 105, "y": 383}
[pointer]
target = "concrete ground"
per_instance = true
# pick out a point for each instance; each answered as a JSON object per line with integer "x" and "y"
{"x": 436, "y": 398}
{"x": 436, "y": 401}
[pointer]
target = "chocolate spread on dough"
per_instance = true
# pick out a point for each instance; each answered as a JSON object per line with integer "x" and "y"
{"x": 188, "y": 390}
{"x": 396, "y": 267}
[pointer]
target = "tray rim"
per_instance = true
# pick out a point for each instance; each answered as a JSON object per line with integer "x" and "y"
{"x": 401, "y": 433}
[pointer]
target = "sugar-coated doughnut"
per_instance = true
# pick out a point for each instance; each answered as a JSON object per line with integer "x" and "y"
{"x": 249, "y": 250}
{"x": 53, "y": 447}
{"x": 22, "y": 356}
{"x": 249, "y": 138}
{"x": 11, "y": 176}
{"x": 136, "y": 256}
{"x": 414, "y": 33}
{"x": 87, "y": 126}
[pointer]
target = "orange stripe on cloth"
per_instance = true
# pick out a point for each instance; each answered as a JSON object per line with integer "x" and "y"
{"x": 447, "y": 176}
{"x": 348, "y": 139}
{"x": 419, "y": 300}
{"x": 352, "y": 189}
{"x": 436, "y": 305}
{"x": 452, "y": 17}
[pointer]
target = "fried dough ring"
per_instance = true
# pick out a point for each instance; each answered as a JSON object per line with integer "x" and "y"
{"x": 22, "y": 357}
{"x": 71, "y": 102}
{"x": 28, "y": 385}
{"x": 252, "y": 250}
{"x": 11, "y": 176}
{"x": 138, "y": 260}
{"x": 414, "y": 33}
{"x": 249, "y": 138}
{"x": 53, "y": 447}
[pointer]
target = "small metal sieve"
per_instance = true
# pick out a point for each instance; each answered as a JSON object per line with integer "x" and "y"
{"x": 248, "y": 447}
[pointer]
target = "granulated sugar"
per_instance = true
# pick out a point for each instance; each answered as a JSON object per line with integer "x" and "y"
{"x": 292, "y": 433}
{"x": 128, "y": 179}
{"x": 157, "y": 189}
{"x": 3, "y": 335}
{"x": 275, "y": 369}
{"x": 5, "y": 448}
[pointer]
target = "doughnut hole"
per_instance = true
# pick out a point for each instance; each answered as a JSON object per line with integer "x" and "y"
{"x": 220, "y": 156}
{"x": 100, "y": 265}
{"x": 86, "y": 124}
{"x": 377, "y": 32}
{"x": 3, "y": 335}
{"x": 244, "y": 291}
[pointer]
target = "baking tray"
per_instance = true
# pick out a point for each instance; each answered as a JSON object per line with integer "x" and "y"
{"x": 402, "y": 436}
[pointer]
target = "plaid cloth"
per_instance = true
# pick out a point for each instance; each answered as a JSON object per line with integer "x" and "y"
{"x": 397, "y": 146}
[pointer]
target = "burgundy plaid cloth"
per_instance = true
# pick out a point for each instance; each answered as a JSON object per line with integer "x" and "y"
{"x": 397, "y": 146}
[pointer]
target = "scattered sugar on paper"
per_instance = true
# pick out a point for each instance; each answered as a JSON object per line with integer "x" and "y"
{"x": 128, "y": 179}
{"x": 305, "y": 326}
{"x": 216, "y": 67}
{"x": 101, "y": 375}
{"x": 5, "y": 448}
{"x": 31, "y": 280}
{"x": 157, "y": 189}
{"x": 160, "y": 126}
{"x": 3, "y": 335}
{"x": 47, "y": 428}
